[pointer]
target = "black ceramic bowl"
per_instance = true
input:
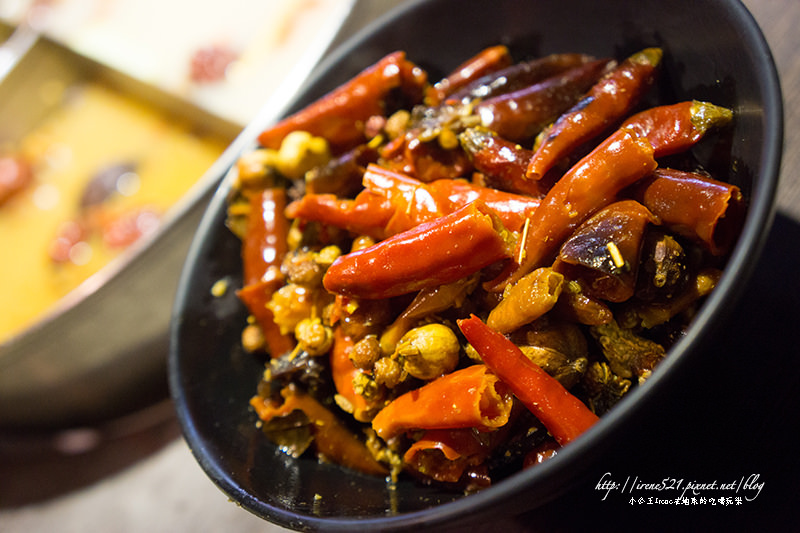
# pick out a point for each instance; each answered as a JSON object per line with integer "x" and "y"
{"x": 714, "y": 51}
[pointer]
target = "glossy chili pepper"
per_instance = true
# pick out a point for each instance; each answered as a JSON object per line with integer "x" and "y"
{"x": 485, "y": 62}
{"x": 619, "y": 161}
{"x": 674, "y": 128}
{"x": 255, "y": 297}
{"x": 413, "y": 201}
{"x": 343, "y": 371}
{"x": 416, "y": 202}
{"x": 333, "y": 440}
{"x": 604, "y": 251}
{"x": 520, "y": 115}
{"x": 367, "y": 215}
{"x": 264, "y": 244}
{"x": 389, "y": 204}
{"x": 607, "y": 103}
{"x": 263, "y": 249}
{"x": 517, "y": 76}
{"x": 392, "y": 202}
{"x": 466, "y": 398}
{"x": 453, "y": 246}
{"x": 340, "y": 116}
{"x": 502, "y": 162}
{"x": 512, "y": 209}
{"x": 564, "y": 415}
{"x": 694, "y": 205}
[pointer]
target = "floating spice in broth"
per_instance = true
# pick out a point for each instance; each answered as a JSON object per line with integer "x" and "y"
{"x": 102, "y": 169}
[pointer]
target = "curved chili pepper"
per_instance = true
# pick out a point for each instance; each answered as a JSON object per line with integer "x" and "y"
{"x": 343, "y": 371}
{"x": 674, "y": 128}
{"x": 340, "y": 115}
{"x": 367, "y": 215}
{"x": 564, "y": 415}
{"x": 416, "y": 202}
{"x": 518, "y": 76}
{"x": 503, "y": 162}
{"x": 608, "y": 101}
{"x": 263, "y": 248}
{"x": 412, "y": 200}
{"x": 466, "y": 398}
{"x": 604, "y": 251}
{"x": 512, "y": 209}
{"x": 392, "y": 202}
{"x": 454, "y": 246}
{"x": 485, "y": 62}
{"x": 333, "y": 440}
{"x": 619, "y": 161}
{"x": 525, "y": 301}
{"x": 694, "y": 205}
{"x": 444, "y": 454}
{"x": 520, "y": 115}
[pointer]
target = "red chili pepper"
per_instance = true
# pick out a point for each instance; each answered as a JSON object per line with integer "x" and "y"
{"x": 368, "y": 214}
{"x": 502, "y": 162}
{"x": 332, "y": 438}
{"x": 430, "y": 254}
{"x": 264, "y": 243}
{"x": 512, "y": 209}
{"x": 604, "y": 251}
{"x": 485, "y": 62}
{"x": 340, "y": 116}
{"x": 619, "y": 161}
{"x": 392, "y": 203}
{"x": 416, "y": 202}
{"x": 694, "y": 205}
{"x": 674, "y": 128}
{"x": 606, "y": 103}
{"x": 517, "y": 76}
{"x": 343, "y": 371}
{"x": 564, "y": 415}
{"x": 520, "y": 115}
{"x": 412, "y": 200}
{"x": 263, "y": 248}
{"x": 466, "y": 398}
{"x": 255, "y": 297}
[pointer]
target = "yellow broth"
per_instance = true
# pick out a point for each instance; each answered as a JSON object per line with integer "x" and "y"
{"x": 94, "y": 128}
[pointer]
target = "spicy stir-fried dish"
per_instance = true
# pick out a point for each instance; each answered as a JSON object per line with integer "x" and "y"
{"x": 454, "y": 280}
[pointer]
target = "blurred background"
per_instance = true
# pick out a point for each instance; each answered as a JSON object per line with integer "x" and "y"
{"x": 223, "y": 62}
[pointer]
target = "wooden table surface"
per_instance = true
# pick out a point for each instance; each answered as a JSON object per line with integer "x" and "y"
{"x": 143, "y": 478}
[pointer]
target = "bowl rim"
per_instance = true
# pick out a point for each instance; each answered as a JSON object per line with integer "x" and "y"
{"x": 740, "y": 265}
